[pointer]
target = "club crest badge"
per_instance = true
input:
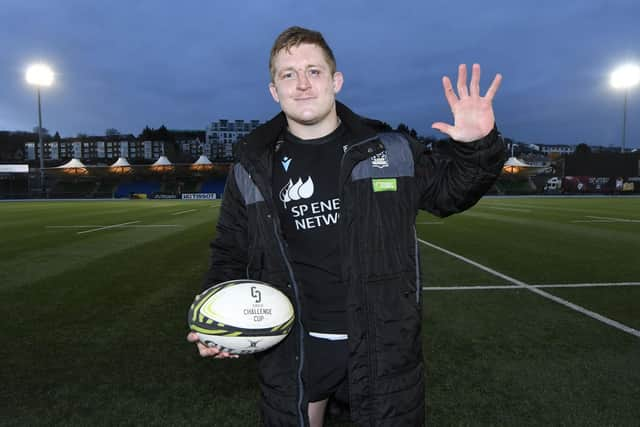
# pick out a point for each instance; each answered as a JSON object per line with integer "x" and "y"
{"x": 380, "y": 160}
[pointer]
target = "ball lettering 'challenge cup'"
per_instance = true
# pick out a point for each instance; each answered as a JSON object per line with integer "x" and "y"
{"x": 241, "y": 316}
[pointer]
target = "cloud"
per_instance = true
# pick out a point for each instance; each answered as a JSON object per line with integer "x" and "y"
{"x": 128, "y": 64}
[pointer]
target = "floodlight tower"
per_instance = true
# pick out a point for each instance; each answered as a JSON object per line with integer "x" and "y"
{"x": 625, "y": 77}
{"x": 40, "y": 75}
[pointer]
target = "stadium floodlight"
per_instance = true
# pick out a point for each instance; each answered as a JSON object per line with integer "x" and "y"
{"x": 625, "y": 77}
{"x": 40, "y": 75}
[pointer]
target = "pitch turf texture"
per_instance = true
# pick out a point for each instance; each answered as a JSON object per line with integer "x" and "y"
{"x": 94, "y": 297}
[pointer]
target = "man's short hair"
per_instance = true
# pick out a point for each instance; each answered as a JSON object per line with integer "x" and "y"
{"x": 295, "y": 36}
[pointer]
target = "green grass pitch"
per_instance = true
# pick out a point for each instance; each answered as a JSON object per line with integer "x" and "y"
{"x": 94, "y": 296}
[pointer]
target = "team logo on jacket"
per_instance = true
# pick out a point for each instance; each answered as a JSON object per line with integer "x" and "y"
{"x": 380, "y": 160}
{"x": 296, "y": 191}
{"x": 285, "y": 163}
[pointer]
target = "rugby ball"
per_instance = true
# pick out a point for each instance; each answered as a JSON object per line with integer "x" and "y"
{"x": 241, "y": 316}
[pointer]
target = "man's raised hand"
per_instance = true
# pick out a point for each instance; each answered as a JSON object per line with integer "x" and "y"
{"x": 472, "y": 114}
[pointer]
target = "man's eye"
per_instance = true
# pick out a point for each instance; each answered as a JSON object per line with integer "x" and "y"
{"x": 287, "y": 75}
{"x": 314, "y": 72}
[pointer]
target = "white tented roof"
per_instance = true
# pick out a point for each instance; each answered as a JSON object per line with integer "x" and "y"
{"x": 162, "y": 161}
{"x": 73, "y": 163}
{"x": 513, "y": 161}
{"x": 203, "y": 160}
{"x": 121, "y": 162}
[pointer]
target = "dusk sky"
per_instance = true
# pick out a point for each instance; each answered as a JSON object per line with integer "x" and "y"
{"x": 128, "y": 64}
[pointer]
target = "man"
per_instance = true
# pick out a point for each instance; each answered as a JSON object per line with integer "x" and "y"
{"x": 322, "y": 204}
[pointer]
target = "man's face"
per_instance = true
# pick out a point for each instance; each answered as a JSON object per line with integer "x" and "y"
{"x": 304, "y": 86}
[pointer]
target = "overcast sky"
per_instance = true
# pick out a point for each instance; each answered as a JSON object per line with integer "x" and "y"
{"x": 127, "y": 64}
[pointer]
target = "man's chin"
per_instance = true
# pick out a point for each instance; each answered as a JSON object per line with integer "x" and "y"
{"x": 306, "y": 119}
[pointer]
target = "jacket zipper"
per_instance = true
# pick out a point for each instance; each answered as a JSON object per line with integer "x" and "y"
{"x": 276, "y": 230}
{"x": 415, "y": 236}
{"x": 372, "y": 368}
{"x": 294, "y": 283}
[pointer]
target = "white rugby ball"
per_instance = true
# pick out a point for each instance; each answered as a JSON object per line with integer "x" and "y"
{"x": 241, "y": 316}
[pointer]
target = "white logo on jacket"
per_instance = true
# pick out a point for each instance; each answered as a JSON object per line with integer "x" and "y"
{"x": 299, "y": 190}
{"x": 380, "y": 160}
{"x": 286, "y": 161}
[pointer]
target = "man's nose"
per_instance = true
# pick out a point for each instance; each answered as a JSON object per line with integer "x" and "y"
{"x": 303, "y": 81}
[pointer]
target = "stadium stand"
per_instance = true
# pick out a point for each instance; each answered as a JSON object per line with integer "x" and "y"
{"x": 213, "y": 186}
{"x": 73, "y": 189}
{"x": 12, "y": 188}
{"x": 191, "y": 187}
{"x": 106, "y": 189}
{"x": 126, "y": 189}
{"x": 508, "y": 186}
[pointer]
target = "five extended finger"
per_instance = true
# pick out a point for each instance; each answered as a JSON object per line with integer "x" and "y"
{"x": 495, "y": 85}
{"x": 443, "y": 127}
{"x": 452, "y": 99}
{"x": 474, "y": 86}
{"x": 463, "y": 92}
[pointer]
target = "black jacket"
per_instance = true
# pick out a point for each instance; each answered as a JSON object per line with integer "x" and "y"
{"x": 384, "y": 180}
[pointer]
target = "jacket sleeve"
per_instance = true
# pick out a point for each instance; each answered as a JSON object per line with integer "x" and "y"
{"x": 228, "y": 259}
{"x": 455, "y": 180}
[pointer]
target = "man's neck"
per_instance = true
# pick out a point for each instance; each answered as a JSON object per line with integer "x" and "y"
{"x": 314, "y": 131}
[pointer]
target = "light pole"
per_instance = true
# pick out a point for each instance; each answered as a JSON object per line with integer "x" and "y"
{"x": 625, "y": 77}
{"x": 40, "y": 75}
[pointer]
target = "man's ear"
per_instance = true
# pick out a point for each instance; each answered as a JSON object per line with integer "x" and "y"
{"x": 274, "y": 92}
{"x": 338, "y": 80}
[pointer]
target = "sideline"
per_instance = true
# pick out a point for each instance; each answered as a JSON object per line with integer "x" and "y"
{"x": 107, "y": 227}
{"x": 523, "y": 285}
{"x": 503, "y": 287}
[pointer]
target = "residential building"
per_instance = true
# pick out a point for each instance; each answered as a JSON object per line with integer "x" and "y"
{"x": 96, "y": 150}
{"x": 223, "y": 134}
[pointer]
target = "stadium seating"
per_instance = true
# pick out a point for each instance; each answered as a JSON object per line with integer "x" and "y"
{"x": 72, "y": 189}
{"x": 139, "y": 187}
{"x": 14, "y": 188}
{"x": 213, "y": 186}
{"x": 505, "y": 186}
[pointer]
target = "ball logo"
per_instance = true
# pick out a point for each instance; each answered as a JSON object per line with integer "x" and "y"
{"x": 241, "y": 316}
{"x": 255, "y": 293}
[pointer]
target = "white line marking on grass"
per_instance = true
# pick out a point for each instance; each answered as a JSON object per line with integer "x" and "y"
{"x": 184, "y": 212}
{"x": 588, "y": 285}
{"x": 73, "y": 226}
{"x": 107, "y": 227}
{"x": 507, "y": 209}
{"x": 503, "y": 287}
{"x": 603, "y": 220}
{"x": 468, "y": 288}
{"x": 542, "y": 293}
{"x": 122, "y": 226}
{"x": 153, "y": 225}
{"x": 510, "y": 205}
{"x": 606, "y": 218}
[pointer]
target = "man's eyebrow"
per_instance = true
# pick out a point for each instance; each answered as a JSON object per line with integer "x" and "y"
{"x": 291, "y": 67}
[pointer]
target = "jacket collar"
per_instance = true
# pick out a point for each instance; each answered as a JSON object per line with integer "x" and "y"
{"x": 265, "y": 137}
